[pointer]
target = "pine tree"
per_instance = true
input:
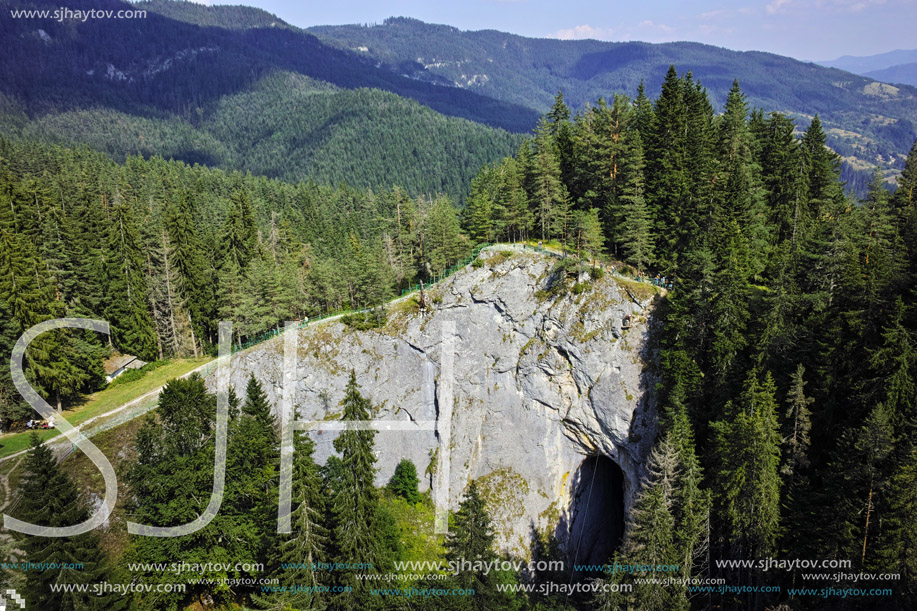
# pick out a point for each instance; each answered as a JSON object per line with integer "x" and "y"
{"x": 650, "y": 536}
{"x": 354, "y": 504}
{"x": 50, "y": 498}
{"x": 471, "y": 539}
{"x": 404, "y": 482}
{"x": 308, "y": 540}
{"x": 442, "y": 235}
{"x": 127, "y": 308}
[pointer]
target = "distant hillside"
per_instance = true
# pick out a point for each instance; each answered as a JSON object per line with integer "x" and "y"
{"x": 905, "y": 74}
{"x": 200, "y": 84}
{"x": 867, "y": 122}
{"x": 870, "y": 63}
{"x": 290, "y": 127}
{"x": 233, "y": 17}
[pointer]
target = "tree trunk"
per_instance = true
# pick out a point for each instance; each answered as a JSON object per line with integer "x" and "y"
{"x": 866, "y": 529}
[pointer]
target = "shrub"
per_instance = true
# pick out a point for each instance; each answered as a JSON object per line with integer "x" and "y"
{"x": 363, "y": 321}
{"x": 135, "y": 374}
{"x": 404, "y": 482}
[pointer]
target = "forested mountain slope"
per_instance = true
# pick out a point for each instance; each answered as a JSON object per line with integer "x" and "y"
{"x": 866, "y": 122}
{"x": 159, "y": 86}
{"x": 900, "y": 73}
{"x": 291, "y": 127}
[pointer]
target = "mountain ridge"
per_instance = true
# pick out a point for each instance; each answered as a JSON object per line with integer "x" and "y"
{"x": 866, "y": 123}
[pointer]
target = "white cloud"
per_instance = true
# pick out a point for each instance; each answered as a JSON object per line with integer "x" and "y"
{"x": 777, "y": 6}
{"x": 650, "y": 25}
{"x": 582, "y": 32}
{"x": 854, "y": 6}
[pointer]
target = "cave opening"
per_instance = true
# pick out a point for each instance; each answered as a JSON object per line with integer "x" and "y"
{"x": 597, "y": 525}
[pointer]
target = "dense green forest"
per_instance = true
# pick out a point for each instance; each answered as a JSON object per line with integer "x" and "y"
{"x": 787, "y": 350}
{"x": 163, "y": 251}
{"x": 291, "y": 127}
{"x": 786, "y": 345}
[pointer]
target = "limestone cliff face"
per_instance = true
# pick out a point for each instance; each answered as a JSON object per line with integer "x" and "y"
{"x": 540, "y": 380}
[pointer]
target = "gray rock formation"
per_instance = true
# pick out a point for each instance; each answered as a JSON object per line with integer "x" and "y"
{"x": 541, "y": 380}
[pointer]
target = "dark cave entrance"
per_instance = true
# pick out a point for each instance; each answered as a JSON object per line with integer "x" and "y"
{"x": 597, "y": 524}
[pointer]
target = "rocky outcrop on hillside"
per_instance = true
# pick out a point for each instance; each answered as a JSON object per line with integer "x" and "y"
{"x": 544, "y": 375}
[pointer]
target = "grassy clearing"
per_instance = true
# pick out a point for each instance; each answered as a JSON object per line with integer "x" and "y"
{"x": 106, "y": 400}
{"x": 641, "y": 290}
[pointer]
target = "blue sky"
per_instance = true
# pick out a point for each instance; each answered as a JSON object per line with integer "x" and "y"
{"x": 805, "y": 29}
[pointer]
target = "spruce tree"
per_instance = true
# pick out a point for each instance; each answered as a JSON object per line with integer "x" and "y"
{"x": 861, "y": 471}
{"x": 905, "y": 202}
{"x": 404, "y": 482}
{"x": 650, "y": 536}
{"x": 894, "y": 371}
{"x": 821, "y": 169}
{"x": 798, "y": 424}
{"x": 479, "y": 213}
{"x": 188, "y": 260}
{"x": 590, "y": 236}
{"x": 634, "y": 225}
{"x": 354, "y": 504}
{"x": 50, "y": 498}
{"x": 127, "y": 308}
{"x": 258, "y": 407}
{"x": 239, "y": 238}
{"x": 747, "y": 461}
{"x": 897, "y": 550}
{"x": 471, "y": 539}
{"x": 307, "y": 543}
{"x": 667, "y": 179}
{"x": 690, "y": 501}
{"x": 548, "y": 190}
{"x": 562, "y": 132}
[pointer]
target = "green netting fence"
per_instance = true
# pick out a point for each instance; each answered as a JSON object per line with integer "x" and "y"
{"x": 476, "y": 251}
{"x": 448, "y": 271}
